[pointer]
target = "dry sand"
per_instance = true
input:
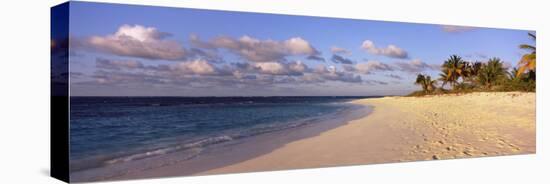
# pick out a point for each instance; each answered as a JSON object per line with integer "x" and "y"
{"x": 413, "y": 128}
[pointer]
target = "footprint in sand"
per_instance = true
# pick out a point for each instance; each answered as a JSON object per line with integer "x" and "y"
{"x": 514, "y": 147}
{"x": 501, "y": 143}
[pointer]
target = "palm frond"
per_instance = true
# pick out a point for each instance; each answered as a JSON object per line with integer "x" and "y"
{"x": 527, "y": 47}
{"x": 532, "y": 35}
{"x": 527, "y": 62}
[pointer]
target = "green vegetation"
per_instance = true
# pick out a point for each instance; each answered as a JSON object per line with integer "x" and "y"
{"x": 491, "y": 74}
{"x": 452, "y": 70}
{"x": 463, "y": 76}
{"x": 428, "y": 85}
{"x": 528, "y": 61}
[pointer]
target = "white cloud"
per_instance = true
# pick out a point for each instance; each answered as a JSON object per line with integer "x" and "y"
{"x": 339, "y": 50}
{"x": 299, "y": 46}
{"x": 456, "y": 29}
{"x": 293, "y": 68}
{"x": 138, "y": 41}
{"x": 390, "y": 50}
{"x": 332, "y": 74}
{"x": 278, "y": 68}
{"x": 297, "y": 66}
{"x": 273, "y": 68}
{"x": 200, "y": 67}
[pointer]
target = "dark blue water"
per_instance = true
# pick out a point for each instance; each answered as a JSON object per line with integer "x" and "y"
{"x": 110, "y": 130}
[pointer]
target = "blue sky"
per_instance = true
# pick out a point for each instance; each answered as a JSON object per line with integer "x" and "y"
{"x": 122, "y": 50}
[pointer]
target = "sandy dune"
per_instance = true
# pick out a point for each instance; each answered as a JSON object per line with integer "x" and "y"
{"x": 413, "y": 128}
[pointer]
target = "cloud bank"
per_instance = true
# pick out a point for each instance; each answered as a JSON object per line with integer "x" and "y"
{"x": 261, "y": 62}
{"x": 256, "y": 50}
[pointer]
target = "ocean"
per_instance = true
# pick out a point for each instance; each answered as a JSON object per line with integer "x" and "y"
{"x": 122, "y": 133}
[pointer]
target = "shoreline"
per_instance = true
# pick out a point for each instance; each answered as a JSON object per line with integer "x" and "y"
{"x": 402, "y": 129}
{"x": 225, "y": 154}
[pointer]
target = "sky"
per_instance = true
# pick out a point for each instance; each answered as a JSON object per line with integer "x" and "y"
{"x": 128, "y": 50}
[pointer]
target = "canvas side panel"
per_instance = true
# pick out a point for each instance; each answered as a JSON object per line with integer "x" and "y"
{"x": 59, "y": 97}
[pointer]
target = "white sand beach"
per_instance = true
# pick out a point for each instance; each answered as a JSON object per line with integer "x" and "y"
{"x": 410, "y": 129}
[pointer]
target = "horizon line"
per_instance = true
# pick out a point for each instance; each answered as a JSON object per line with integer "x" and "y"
{"x": 248, "y": 96}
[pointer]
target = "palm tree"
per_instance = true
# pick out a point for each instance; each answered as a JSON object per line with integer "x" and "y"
{"x": 430, "y": 83}
{"x": 512, "y": 75}
{"x": 528, "y": 61}
{"x": 420, "y": 81}
{"x": 491, "y": 73}
{"x": 443, "y": 78}
{"x": 453, "y": 69}
{"x": 425, "y": 82}
{"x": 476, "y": 67}
{"x": 471, "y": 70}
